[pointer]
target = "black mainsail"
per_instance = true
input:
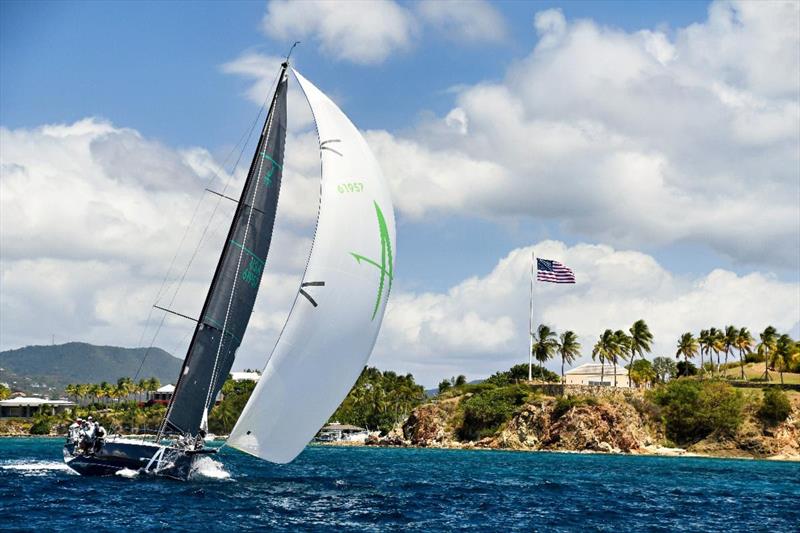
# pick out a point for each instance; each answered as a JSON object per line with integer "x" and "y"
{"x": 233, "y": 290}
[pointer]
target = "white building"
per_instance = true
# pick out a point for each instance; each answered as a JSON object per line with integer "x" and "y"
{"x": 164, "y": 394}
{"x": 593, "y": 374}
{"x": 337, "y": 432}
{"x": 245, "y": 376}
{"x": 26, "y": 407}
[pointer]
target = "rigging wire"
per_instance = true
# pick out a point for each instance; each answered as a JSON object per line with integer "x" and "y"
{"x": 244, "y": 140}
{"x": 205, "y": 230}
{"x": 268, "y": 129}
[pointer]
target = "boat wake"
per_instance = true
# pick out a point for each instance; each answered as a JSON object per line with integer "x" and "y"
{"x": 36, "y": 468}
{"x": 207, "y": 468}
{"x": 127, "y": 473}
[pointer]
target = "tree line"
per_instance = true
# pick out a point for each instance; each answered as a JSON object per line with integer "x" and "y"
{"x": 612, "y": 347}
{"x": 777, "y": 351}
{"x": 105, "y": 391}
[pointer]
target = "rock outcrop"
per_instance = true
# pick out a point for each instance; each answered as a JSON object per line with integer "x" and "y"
{"x": 604, "y": 427}
{"x": 613, "y": 423}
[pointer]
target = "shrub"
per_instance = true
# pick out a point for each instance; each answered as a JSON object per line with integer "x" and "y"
{"x": 520, "y": 373}
{"x": 41, "y": 426}
{"x": 775, "y": 407}
{"x": 486, "y": 411}
{"x": 565, "y": 403}
{"x": 685, "y": 368}
{"x": 692, "y": 410}
{"x": 753, "y": 357}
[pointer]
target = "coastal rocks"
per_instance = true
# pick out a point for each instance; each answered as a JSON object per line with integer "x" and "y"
{"x": 428, "y": 425}
{"x": 527, "y": 430}
{"x": 604, "y": 427}
{"x": 611, "y": 428}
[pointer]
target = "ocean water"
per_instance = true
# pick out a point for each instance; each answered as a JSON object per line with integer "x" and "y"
{"x": 373, "y": 489}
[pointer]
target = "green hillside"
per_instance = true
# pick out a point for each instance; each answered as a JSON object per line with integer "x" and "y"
{"x": 48, "y": 369}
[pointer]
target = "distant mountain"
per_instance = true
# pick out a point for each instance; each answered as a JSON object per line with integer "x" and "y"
{"x": 48, "y": 369}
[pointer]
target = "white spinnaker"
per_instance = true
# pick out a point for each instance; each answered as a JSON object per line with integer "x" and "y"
{"x": 323, "y": 349}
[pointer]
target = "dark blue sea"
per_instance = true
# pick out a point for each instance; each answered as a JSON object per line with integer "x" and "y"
{"x": 356, "y": 489}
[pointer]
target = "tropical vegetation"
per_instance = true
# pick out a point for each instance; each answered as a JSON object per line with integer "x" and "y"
{"x": 379, "y": 399}
{"x": 692, "y": 410}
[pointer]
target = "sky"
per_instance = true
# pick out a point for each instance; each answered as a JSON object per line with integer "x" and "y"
{"x": 653, "y": 147}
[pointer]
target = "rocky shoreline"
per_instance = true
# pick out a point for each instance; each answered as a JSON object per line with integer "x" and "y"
{"x": 616, "y": 424}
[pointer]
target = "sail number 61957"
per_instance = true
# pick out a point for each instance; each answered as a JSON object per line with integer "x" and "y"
{"x": 353, "y": 186}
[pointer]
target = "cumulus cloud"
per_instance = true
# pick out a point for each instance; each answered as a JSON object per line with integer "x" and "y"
{"x": 340, "y": 31}
{"x": 467, "y": 21}
{"x": 92, "y": 215}
{"x": 480, "y": 325}
{"x": 628, "y": 137}
{"x": 360, "y": 32}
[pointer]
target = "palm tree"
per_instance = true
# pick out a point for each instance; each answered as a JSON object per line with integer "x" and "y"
{"x": 744, "y": 343}
{"x": 784, "y": 350}
{"x": 687, "y": 347}
{"x": 622, "y": 349}
{"x": 640, "y": 341}
{"x": 717, "y": 345}
{"x": 545, "y": 345}
{"x": 769, "y": 341}
{"x": 95, "y": 391}
{"x": 153, "y": 384}
{"x": 72, "y": 390}
{"x": 705, "y": 342}
{"x": 141, "y": 388}
{"x": 729, "y": 342}
{"x": 83, "y": 391}
{"x": 603, "y": 351}
{"x": 569, "y": 348}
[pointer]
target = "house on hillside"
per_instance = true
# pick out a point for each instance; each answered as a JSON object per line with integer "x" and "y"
{"x": 337, "y": 432}
{"x": 27, "y": 407}
{"x": 245, "y": 376}
{"x": 596, "y": 375}
{"x": 164, "y": 395}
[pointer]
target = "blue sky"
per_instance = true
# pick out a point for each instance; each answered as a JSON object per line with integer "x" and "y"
{"x": 158, "y": 68}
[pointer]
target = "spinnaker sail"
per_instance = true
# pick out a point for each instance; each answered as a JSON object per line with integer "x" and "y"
{"x": 233, "y": 290}
{"x": 337, "y": 314}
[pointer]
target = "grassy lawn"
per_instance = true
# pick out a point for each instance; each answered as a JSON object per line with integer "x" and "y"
{"x": 756, "y": 371}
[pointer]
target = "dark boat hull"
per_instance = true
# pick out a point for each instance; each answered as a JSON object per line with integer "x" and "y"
{"x": 117, "y": 455}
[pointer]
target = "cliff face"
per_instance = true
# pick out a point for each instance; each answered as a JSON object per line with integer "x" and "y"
{"x": 603, "y": 427}
{"x": 609, "y": 424}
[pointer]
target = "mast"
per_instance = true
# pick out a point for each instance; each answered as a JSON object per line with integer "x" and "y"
{"x": 530, "y": 321}
{"x": 232, "y": 293}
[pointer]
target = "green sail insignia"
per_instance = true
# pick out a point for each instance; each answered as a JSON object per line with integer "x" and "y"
{"x": 386, "y": 266}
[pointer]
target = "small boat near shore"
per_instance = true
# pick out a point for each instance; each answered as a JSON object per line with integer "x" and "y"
{"x": 331, "y": 328}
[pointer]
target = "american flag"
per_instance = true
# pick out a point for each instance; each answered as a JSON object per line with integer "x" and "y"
{"x": 553, "y": 271}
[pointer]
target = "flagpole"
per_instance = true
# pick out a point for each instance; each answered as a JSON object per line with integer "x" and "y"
{"x": 530, "y": 322}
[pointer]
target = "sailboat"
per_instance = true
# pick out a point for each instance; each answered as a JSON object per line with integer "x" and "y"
{"x": 331, "y": 328}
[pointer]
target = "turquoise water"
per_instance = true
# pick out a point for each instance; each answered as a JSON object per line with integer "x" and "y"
{"x": 406, "y": 489}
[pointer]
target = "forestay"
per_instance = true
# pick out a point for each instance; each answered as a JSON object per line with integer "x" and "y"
{"x": 336, "y": 316}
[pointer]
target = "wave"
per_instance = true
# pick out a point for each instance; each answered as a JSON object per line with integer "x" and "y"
{"x": 207, "y": 468}
{"x": 127, "y": 473}
{"x": 36, "y": 468}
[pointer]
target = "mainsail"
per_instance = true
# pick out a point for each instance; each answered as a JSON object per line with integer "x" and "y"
{"x": 336, "y": 316}
{"x": 233, "y": 290}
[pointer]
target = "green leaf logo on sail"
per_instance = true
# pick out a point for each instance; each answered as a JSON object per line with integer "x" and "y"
{"x": 386, "y": 265}
{"x": 268, "y": 175}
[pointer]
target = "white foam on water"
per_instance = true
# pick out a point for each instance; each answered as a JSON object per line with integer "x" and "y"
{"x": 208, "y": 468}
{"x": 36, "y": 468}
{"x": 127, "y": 473}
